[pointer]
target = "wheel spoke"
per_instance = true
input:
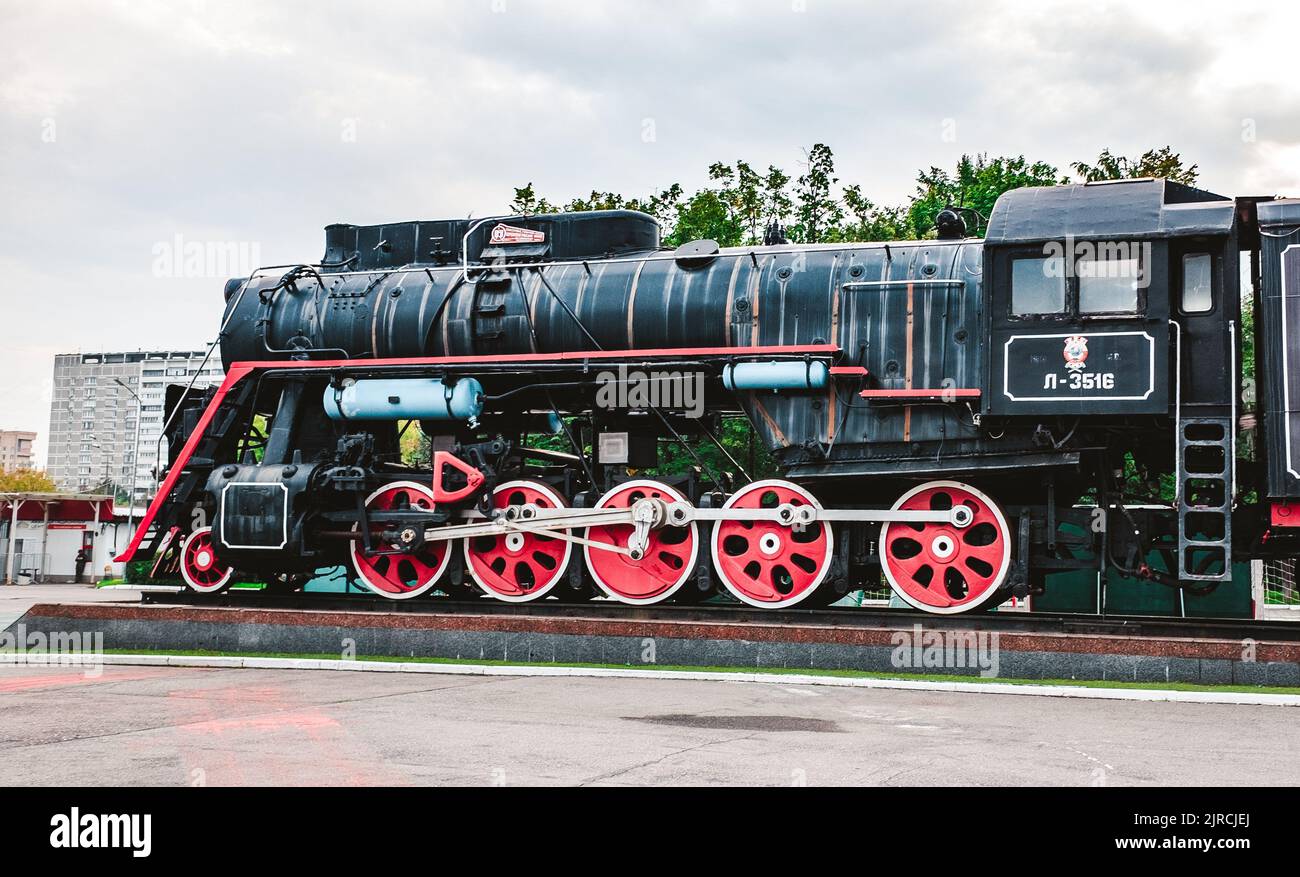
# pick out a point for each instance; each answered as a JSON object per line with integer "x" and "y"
{"x": 763, "y": 563}
{"x": 939, "y": 567}
{"x": 400, "y": 576}
{"x": 669, "y": 555}
{"x": 518, "y": 566}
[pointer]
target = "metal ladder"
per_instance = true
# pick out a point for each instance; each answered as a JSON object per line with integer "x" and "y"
{"x": 232, "y": 412}
{"x": 1205, "y": 497}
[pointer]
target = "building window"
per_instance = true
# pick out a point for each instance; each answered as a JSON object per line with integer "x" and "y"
{"x": 1038, "y": 286}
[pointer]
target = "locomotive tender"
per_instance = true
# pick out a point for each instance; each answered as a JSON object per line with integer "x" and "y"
{"x": 961, "y": 417}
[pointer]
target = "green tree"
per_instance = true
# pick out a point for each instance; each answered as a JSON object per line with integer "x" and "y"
{"x": 597, "y": 201}
{"x": 777, "y": 203}
{"x": 527, "y": 202}
{"x": 749, "y": 199}
{"x": 663, "y": 206}
{"x": 737, "y": 436}
{"x": 26, "y": 481}
{"x": 741, "y": 189}
{"x": 977, "y": 183}
{"x": 417, "y": 450}
{"x": 817, "y": 210}
{"x": 706, "y": 215}
{"x": 1162, "y": 163}
{"x": 867, "y": 222}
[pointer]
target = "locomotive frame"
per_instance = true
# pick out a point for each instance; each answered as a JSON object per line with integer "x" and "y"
{"x": 937, "y": 408}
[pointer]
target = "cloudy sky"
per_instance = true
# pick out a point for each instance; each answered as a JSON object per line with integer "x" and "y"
{"x": 124, "y": 125}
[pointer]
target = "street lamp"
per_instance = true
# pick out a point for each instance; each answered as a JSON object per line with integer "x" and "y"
{"x": 108, "y": 462}
{"x": 135, "y": 454}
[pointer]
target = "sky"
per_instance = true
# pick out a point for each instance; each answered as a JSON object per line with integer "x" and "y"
{"x": 135, "y": 135}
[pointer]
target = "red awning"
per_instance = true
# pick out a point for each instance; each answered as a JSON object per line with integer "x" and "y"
{"x": 61, "y": 509}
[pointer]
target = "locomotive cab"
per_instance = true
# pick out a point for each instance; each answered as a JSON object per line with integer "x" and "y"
{"x": 1114, "y": 317}
{"x": 1094, "y": 290}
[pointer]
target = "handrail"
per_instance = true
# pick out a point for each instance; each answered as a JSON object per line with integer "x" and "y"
{"x": 1178, "y": 411}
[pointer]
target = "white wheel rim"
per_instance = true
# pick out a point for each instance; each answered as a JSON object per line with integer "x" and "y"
{"x": 687, "y": 569}
{"x": 355, "y": 549}
{"x": 1006, "y": 552}
{"x": 537, "y": 593}
{"x": 715, "y": 544}
{"x": 185, "y": 573}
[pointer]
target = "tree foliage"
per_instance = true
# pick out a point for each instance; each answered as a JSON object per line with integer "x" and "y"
{"x": 26, "y": 481}
{"x": 740, "y": 202}
{"x": 1159, "y": 163}
{"x": 417, "y": 450}
{"x": 817, "y": 210}
{"x": 977, "y": 183}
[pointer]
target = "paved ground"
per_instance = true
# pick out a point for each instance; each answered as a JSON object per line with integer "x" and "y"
{"x": 17, "y": 599}
{"x": 169, "y": 726}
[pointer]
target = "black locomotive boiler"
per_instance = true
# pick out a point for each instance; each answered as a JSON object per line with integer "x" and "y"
{"x": 961, "y": 418}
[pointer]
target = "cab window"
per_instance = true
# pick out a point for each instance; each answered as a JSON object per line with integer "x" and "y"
{"x": 1108, "y": 285}
{"x": 1198, "y": 297}
{"x": 1038, "y": 286}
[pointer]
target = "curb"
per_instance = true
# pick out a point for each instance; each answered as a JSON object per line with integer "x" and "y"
{"x": 1131, "y": 694}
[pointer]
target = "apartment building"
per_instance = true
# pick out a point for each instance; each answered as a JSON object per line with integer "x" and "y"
{"x": 16, "y": 449}
{"x": 94, "y": 409}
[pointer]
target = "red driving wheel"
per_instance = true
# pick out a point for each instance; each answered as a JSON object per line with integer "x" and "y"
{"x": 516, "y": 566}
{"x": 200, "y": 568}
{"x": 668, "y": 560}
{"x": 393, "y": 574}
{"x": 767, "y": 564}
{"x": 940, "y": 567}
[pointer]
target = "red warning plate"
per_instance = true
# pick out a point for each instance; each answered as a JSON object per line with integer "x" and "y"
{"x": 509, "y": 234}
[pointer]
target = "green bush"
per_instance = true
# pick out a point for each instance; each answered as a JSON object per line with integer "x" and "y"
{"x": 137, "y": 573}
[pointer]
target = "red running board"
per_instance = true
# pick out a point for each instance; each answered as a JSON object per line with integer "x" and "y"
{"x": 941, "y": 395}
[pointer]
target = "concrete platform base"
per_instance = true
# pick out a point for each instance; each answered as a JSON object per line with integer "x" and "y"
{"x": 639, "y": 643}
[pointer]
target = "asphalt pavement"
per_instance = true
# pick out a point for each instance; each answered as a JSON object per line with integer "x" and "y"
{"x": 188, "y": 726}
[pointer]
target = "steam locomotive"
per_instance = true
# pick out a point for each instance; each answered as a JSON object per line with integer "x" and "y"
{"x": 960, "y": 418}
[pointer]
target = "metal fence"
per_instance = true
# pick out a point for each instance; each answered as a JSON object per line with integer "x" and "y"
{"x": 1280, "y": 583}
{"x": 28, "y": 566}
